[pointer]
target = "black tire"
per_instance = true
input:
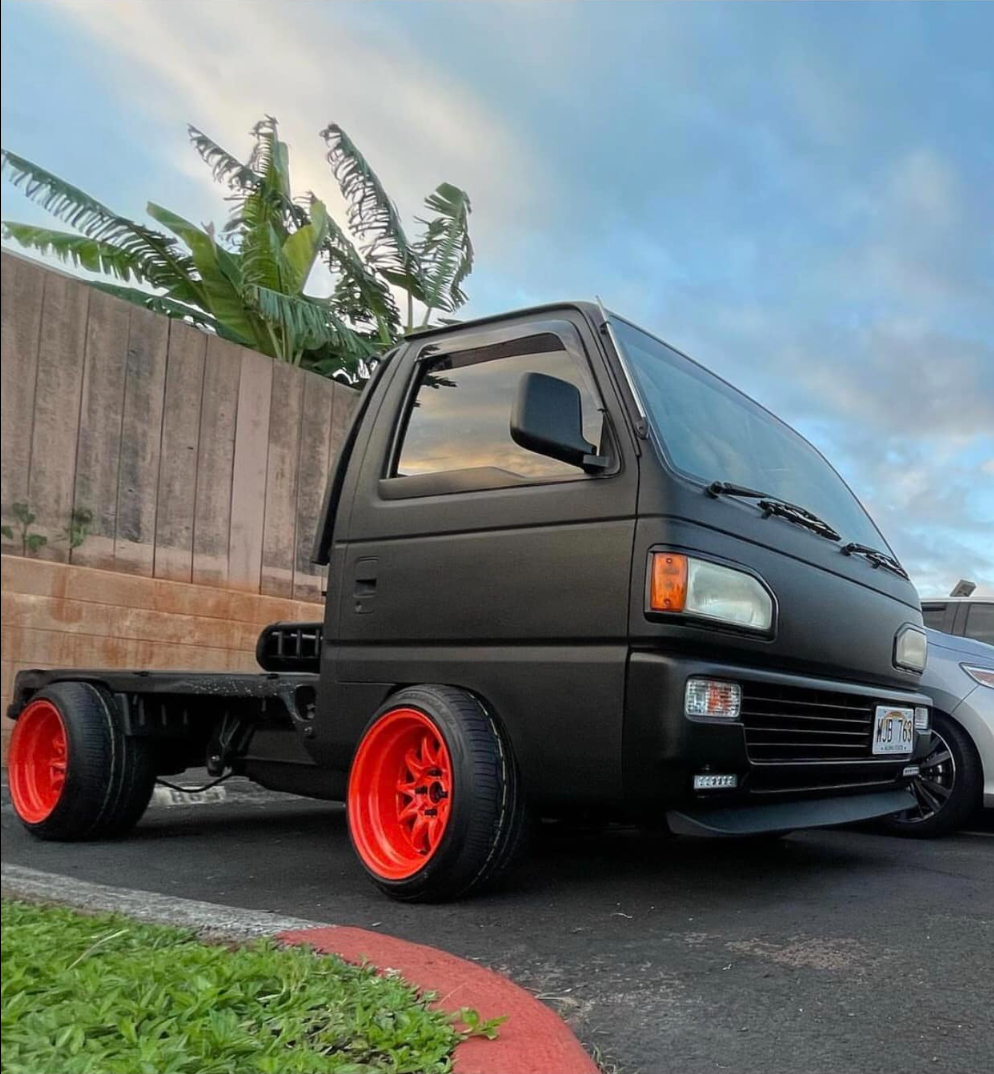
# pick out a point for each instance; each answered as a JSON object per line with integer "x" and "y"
{"x": 109, "y": 776}
{"x": 486, "y": 823}
{"x": 942, "y": 811}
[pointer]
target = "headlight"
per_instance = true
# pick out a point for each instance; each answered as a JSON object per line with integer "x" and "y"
{"x": 985, "y": 676}
{"x": 697, "y": 587}
{"x": 910, "y": 648}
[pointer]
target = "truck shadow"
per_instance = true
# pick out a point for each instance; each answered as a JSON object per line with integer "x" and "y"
{"x": 558, "y": 857}
{"x": 631, "y": 859}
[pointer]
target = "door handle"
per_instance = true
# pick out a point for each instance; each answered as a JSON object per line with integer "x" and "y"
{"x": 364, "y": 583}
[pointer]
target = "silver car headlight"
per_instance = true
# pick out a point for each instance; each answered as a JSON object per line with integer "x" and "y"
{"x": 911, "y": 648}
{"x": 977, "y": 672}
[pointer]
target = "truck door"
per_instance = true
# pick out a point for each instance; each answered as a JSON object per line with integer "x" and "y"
{"x": 471, "y": 561}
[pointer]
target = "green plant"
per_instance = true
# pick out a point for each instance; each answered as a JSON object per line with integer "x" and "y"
{"x": 246, "y": 282}
{"x": 30, "y": 542}
{"x": 78, "y": 527}
{"x": 74, "y": 533}
{"x": 102, "y": 992}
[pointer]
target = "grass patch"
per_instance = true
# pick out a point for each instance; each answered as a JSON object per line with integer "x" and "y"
{"x": 103, "y": 994}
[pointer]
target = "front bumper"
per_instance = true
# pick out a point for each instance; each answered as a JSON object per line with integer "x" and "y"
{"x": 664, "y": 748}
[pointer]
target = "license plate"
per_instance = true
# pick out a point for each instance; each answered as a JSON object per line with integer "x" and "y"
{"x": 893, "y": 730}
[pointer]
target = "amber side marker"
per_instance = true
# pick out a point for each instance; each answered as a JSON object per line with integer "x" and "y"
{"x": 668, "y": 582}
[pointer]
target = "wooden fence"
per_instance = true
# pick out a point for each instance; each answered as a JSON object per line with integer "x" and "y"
{"x": 201, "y": 461}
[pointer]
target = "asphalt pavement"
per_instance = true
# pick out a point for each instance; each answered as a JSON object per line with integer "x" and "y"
{"x": 829, "y": 951}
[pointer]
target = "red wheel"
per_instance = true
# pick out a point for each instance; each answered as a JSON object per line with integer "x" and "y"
{"x": 400, "y": 794}
{"x": 37, "y": 761}
{"x": 433, "y": 805}
{"x": 74, "y": 772}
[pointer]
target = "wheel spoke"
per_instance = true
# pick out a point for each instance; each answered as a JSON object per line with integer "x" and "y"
{"x": 933, "y": 803}
{"x": 940, "y": 756}
{"x": 434, "y": 830}
{"x": 937, "y": 788}
{"x": 419, "y": 834}
{"x": 924, "y": 809}
{"x": 414, "y": 763}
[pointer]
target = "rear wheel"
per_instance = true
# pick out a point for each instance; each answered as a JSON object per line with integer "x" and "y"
{"x": 434, "y": 804}
{"x": 73, "y": 773}
{"x": 948, "y": 786}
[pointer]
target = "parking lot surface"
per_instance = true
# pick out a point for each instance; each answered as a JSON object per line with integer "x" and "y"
{"x": 830, "y": 951}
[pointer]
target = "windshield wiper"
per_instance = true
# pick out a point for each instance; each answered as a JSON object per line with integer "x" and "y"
{"x": 875, "y": 556}
{"x": 773, "y": 505}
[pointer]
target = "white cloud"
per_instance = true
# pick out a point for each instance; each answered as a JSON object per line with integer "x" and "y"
{"x": 222, "y": 66}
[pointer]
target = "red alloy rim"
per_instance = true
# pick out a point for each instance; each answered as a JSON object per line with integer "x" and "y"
{"x": 400, "y": 794}
{"x": 38, "y": 761}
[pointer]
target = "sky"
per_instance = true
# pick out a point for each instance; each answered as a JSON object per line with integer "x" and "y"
{"x": 801, "y": 196}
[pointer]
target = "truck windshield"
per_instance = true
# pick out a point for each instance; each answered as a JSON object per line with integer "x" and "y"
{"x": 712, "y": 432}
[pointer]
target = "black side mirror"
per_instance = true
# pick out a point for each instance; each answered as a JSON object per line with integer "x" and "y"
{"x": 547, "y": 418}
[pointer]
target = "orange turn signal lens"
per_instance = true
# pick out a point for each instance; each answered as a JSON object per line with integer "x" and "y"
{"x": 668, "y": 584}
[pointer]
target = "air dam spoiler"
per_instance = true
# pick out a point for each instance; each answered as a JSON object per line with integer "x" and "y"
{"x": 786, "y": 816}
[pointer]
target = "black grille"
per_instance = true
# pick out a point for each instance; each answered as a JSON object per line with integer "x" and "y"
{"x": 788, "y": 723}
{"x": 290, "y": 647}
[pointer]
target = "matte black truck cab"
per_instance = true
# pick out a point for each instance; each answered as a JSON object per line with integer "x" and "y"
{"x": 569, "y": 570}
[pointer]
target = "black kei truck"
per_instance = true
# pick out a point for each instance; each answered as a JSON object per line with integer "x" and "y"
{"x": 572, "y": 574}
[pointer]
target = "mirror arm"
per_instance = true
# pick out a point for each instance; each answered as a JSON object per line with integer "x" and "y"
{"x": 594, "y": 463}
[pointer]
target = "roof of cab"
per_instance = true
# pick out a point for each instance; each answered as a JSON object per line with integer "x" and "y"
{"x": 591, "y": 310}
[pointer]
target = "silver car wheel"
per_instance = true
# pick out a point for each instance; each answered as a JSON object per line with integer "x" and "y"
{"x": 934, "y": 783}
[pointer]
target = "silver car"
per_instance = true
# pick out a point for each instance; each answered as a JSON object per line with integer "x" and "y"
{"x": 958, "y": 775}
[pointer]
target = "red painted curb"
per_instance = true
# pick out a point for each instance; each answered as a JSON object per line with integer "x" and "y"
{"x": 533, "y": 1040}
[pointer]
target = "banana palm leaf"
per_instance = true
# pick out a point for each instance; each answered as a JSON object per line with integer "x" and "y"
{"x": 372, "y": 214}
{"x": 162, "y": 263}
{"x": 254, "y": 192}
{"x": 360, "y": 293}
{"x": 262, "y": 257}
{"x": 306, "y": 323}
{"x": 445, "y": 251}
{"x": 77, "y": 250}
{"x": 160, "y": 304}
{"x": 221, "y": 278}
{"x": 300, "y": 250}
{"x": 225, "y": 168}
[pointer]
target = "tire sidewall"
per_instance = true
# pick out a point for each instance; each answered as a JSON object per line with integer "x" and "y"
{"x": 447, "y": 860}
{"x": 87, "y": 790}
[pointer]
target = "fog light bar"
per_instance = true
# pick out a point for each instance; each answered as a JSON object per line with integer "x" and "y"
{"x": 921, "y": 718}
{"x": 713, "y": 697}
{"x": 705, "y": 781}
{"x": 910, "y": 770}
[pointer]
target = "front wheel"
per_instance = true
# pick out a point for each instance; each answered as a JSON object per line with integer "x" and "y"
{"x": 434, "y": 803}
{"x": 947, "y": 788}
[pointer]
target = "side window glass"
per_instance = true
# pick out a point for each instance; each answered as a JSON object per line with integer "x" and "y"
{"x": 461, "y": 415}
{"x": 935, "y": 616}
{"x": 980, "y": 623}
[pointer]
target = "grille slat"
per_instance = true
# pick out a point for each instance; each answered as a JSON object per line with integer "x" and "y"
{"x": 787, "y": 724}
{"x": 800, "y": 702}
{"x": 803, "y": 718}
{"x": 807, "y": 731}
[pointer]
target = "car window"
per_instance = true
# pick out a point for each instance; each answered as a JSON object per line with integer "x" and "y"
{"x": 980, "y": 623}
{"x": 934, "y": 616}
{"x": 461, "y": 415}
